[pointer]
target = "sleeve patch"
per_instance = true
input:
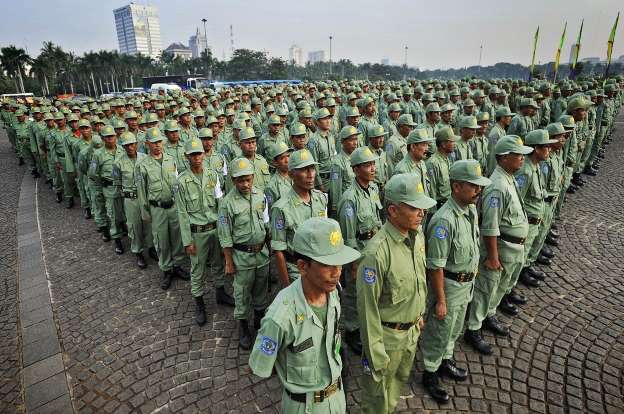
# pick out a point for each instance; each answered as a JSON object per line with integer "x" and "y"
{"x": 441, "y": 232}
{"x": 268, "y": 346}
{"x": 370, "y": 275}
{"x": 349, "y": 211}
{"x": 521, "y": 180}
{"x": 279, "y": 223}
{"x": 494, "y": 202}
{"x": 223, "y": 219}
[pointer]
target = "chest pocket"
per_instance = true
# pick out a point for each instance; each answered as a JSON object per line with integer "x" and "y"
{"x": 301, "y": 362}
{"x": 192, "y": 198}
{"x": 127, "y": 177}
{"x": 461, "y": 249}
{"x": 243, "y": 222}
{"x": 367, "y": 215}
{"x": 399, "y": 286}
{"x": 536, "y": 190}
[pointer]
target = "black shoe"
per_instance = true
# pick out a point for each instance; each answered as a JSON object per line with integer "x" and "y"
{"x": 181, "y": 273}
{"x": 69, "y": 203}
{"x": 87, "y": 213}
{"x": 222, "y": 298}
{"x": 119, "y": 249}
{"x": 449, "y": 369}
{"x": 529, "y": 280}
{"x": 543, "y": 260}
{"x": 432, "y": 385}
{"x": 547, "y": 252}
{"x": 200, "y": 311}
{"x": 507, "y": 307}
{"x": 551, "y": 241}
{"x": 258, "y": 315}
{"x": 151, "y": 252}
{"x": 352, "y": 338}
{"x": 554, "y": 226}
{"x": 59, "y": 197}
{"x": 105, "y": 234}
{"x": 553, "y": 233}
{"x": 140, "y": 261}
{"x": 244, "y": 336}
{"x": 516, "y": 298}
{"x": 20, "y": 161}
{"x": 492, "y": 324}
{"x": 572, "y": 189}
{"x": 536, "y": 273}
{"x": 165, "y": 280}
{"x": 36, "y": 174}
{"x": 99, "y": 229}
{"x": 474, "y": 339}
{"x": 590, "y": 171}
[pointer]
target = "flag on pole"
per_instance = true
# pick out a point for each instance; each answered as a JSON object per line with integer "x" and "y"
{"x": 535, "y": 37}
{"x": 610, "y": 43}
{"x": 577, "y": 49}
{"x": 558, "y": 55}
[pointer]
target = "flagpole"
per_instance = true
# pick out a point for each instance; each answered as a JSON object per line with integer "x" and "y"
{"x": 577, "y": 50}
{"x": 610, "y": 45}
{"x": 558, "y": 55}
{"x": 535, "y": 37}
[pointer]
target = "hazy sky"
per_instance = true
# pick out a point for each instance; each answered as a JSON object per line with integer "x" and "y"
{"x": 439, "y": 34}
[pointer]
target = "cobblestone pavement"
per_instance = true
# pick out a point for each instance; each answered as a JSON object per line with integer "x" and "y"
{"x": 10, "y": 362}
{"x": 130, "y": 347}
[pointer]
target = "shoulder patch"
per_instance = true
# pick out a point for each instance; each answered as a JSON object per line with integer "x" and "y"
{"x": 494, "y": 202}
{"x": 223, "y": 219}
{"x": 545, "y": 168}
{"x": 279, "y": 223}
{"x": 333, "y": 176}
{"x": 268, "y": 345}
{"x": 441, "y": 232}
{"x": 349, "y": 211}
{"x": 521, "y": 180}
{"x": 370, "y": 275}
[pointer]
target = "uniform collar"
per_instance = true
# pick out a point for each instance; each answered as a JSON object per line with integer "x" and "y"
{"x": 303, "y": 308}
{"x": 457, "y": 208}
{"x": 394, "y": 233}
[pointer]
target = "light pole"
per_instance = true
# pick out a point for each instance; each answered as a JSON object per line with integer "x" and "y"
{"x": 405, "y": 65}
{"x": 330, "y": 54}
{"x": 204, "y": 20}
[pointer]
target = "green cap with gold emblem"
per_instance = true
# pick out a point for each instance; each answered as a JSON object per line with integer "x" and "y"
{"x": 205, "y": 133}
{"x": 347, "y": 132}
{"x": 468, "y": 171}
{"x": 276, "y": 149}
{"x": 320, "y": 239}
{"x": 418, "y": 135}
{"x": 83, "y": 123}
{"x": 300, "y": 159}
{"x": 247, "y": 133}
{"x": 171, "y": 125}
{"x": 127, "y": 138}
{"x": 274, "y": 120}
{"x": 568, "y": 122}
{"x": 153, "y": 135}
{"x": 555, "y": 128}
{"x": 445, "y": 134}
{"x": 511, "y": 144}
{"x": 192, "y": 146}
{"x": 538, "y": 137}
{"x": 321, "y": 113}
{"x": 406, "y": 119}
{"x": 376, "y": 131}
{"x": 468, "y": 122}
{"x": 107, "y": 131}
{"x": 241, "y": 167}
{"x": 297, "y": 128}
{"x": 402, "y": 188}
{"x": 361, "y": 155}
{"x": 130, "y": 115}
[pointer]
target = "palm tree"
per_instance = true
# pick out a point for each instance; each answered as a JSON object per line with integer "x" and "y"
{"x": 13, "y": 60}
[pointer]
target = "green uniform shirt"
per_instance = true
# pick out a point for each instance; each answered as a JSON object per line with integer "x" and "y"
{"x": 396, "y": 148}
{"x": 502, "y": 212}
{"x": 391, "y": 287}
{"x": 176, "y": 151}
{"x": 243, "y": 219}
{"x": 294, "y": 341}
{"x": 463, "y": 150}
{"x": 438, "y": 167}
{"x": 340, "y": 179}
{"x": 409, "y": 166}
{"x": 359, "y": 212}
{"x": 531, "y": 188}
{"x": 155, "y": 181}
{"x": 323, "y": 149}
{"x": 101, "y": 169}
{"x": 552, "y": 172}
{"x": 196, "y": 200}
{"x": 277, "y": 187}
{"x": 521, "y": 125}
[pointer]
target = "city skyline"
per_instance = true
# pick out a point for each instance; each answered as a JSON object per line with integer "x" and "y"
{"x": 433, "y": 35}
{"x": 138, "y": 30}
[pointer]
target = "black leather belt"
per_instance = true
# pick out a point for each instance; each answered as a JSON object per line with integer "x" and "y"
{"x": 319, "y": 396}
{"x": 129, "y": 194}
{"x": 201, "y": 228}
{"x": 161, "y": 204}
{"x": 399, "y": 326}
{"x": 550, "y": 199}
{"x": 104, "y": 182}
{"x": 249, "y": 248}
{"x": 535, "y": 221}
{"x": 367, "y": 235}
{"x": 459, "y": 277}
{"x": 512, "y": 239}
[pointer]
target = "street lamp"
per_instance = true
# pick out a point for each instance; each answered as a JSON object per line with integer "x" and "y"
{"x": 204, "y": 20}
{"x": 330, "y": 54}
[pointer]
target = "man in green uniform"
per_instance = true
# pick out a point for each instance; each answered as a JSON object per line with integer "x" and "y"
{"x": 322, "y": 145}
{"x": 272, "y": 136}
{"x": 243, "y": 234}
{"x": 439, "y": 164}
{"x": 499, "y": 130}
{"x": 418, "y": 143}
{"x": 280, "y": 183}
{"x": 396, "y": 147}
{"x": 156, "y": 176}
{"x": 467, "y": 126}
{"x": 391, "y": 291}
{"x": 531, "y": 187}
{"x": 479, "y": 144}
{"x": 299, "y": 204}
{"x": 174, "y": 146}
{"x": 452, "y": 263}
{"x": 359, "y": 214}
{"x": 376, "y": 138}
{"x": 522, "y": 123}
{"x": 124, "y": 169}
{"x": 101, "y": 171}
{"x": 82, "y": 180}
{"x": 504, "y": 228}
{"x": 299, "y": 336}
{"x": 56, "y": 152}
{"x": 197, "y": 194}
{"x": 247, "y": 142}
{"x": 342, "y": 175}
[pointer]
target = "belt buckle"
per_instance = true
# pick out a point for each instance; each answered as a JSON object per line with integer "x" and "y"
{"x": 319, "y": 396}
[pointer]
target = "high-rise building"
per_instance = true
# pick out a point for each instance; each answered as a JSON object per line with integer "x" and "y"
{"x": 295, "y": 54}
{"x": 138, "y": 30}
{"x": 198, "y": 43}
{"x": 316, "y": 56}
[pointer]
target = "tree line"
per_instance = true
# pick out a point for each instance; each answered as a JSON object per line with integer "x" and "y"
{"x": 55, "y": 71}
